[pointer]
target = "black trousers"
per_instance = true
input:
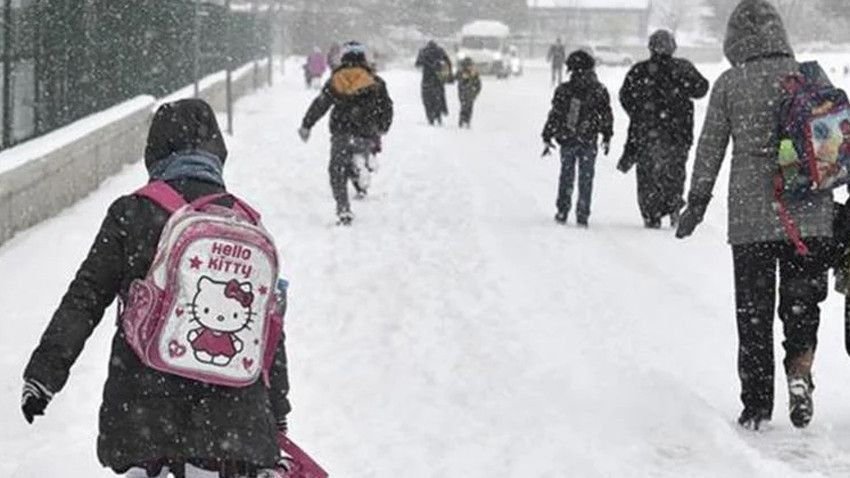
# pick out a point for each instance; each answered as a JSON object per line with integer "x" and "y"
{"x": 661, "y": 179}
{"x": 341, "y": 168}
{"x": 802, "y": 287}
{"x": 466, "y": 111}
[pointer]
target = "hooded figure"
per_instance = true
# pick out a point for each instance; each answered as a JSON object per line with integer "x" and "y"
{"x": 744, "y": 105}
{"x": 150, "y": 420}
{"x": 436, "y": 72}
{"x": 658, "y": 96}
{"x": 362, "y": 113}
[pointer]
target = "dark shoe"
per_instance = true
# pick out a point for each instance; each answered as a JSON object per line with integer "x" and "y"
{"x": 753, "y": 420}
{"x": 582, "y": 222}
{"x": 561, "y": 217}
{"x": 344, "y": 218}
{"x": 652, "y": 223}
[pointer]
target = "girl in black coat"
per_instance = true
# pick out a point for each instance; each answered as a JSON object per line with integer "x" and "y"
{"x": 151, "y": 422}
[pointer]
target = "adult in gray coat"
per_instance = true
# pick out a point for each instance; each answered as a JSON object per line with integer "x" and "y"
{"x": 743, "y": 106}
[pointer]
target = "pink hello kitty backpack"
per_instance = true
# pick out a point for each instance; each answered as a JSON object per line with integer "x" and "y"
{"x": 206, "y": 310}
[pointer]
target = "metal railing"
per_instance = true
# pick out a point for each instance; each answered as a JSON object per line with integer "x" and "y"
{"x": 65, "y": 59}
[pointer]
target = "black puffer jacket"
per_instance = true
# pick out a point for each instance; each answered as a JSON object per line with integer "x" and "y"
{"x": 593, "y": 117}
{"x": 147, "y": 416}
{"x": 361, "y": 105}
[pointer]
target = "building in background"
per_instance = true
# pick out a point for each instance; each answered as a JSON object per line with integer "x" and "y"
{"x": 614, "y": 22}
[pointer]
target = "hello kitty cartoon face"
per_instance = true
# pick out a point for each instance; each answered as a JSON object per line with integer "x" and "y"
{"x": 223, "y": 306}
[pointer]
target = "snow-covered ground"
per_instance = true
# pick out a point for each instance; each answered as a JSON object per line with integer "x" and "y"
{"x": 456, "y": 330}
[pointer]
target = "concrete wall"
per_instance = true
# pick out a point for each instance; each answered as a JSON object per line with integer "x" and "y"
{"x": 40, "y": 178}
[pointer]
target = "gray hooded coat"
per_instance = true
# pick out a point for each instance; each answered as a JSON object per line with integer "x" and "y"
{"x": 744, "y": 107}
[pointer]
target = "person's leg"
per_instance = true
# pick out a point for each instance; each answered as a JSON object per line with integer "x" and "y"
{"x": 755, "y": 297}
{"x": 566, "y": 180}
{"x": 338, "y": 170}
{"x": 465, "y": 112}
{"x": 645, "y": 192}
{"x": 586, "y": 170}
{"x": 803, "y": 286}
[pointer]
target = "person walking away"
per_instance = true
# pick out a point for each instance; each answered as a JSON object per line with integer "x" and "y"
{"x": 744, "y": 105}
{"x": 362, "y": 112}
{"x": 315, "y": 67}
{"x": 468, "y": 89}
{"x": 557, "y": 56}
{"x": 581, "y": 112}
{"x": 436, "y": 71}
{"x": 658, "y": 96}
{"x": 152, "y": 422}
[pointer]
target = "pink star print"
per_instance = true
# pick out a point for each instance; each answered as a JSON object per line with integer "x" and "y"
{"x": 196, "y": 262}
{"x": 263, "y": 290}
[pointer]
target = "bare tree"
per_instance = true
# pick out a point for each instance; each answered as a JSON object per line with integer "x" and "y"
{"x": 679, "y": 14}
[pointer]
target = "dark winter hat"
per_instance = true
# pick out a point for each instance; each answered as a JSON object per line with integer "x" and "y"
{"x": 755, "y": 30}
{"x": 662, "y": 42}
{"x": 353, "y": 53}
{"x": 580, "y": 60}
{"x": 184, "y": 125}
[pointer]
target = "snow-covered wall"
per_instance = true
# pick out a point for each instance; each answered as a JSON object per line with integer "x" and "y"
{"x": 43, "y": 176}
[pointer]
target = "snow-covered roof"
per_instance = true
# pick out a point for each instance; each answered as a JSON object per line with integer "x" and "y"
{"x": 591, "y": 4}
{"x": 486, "y": 28}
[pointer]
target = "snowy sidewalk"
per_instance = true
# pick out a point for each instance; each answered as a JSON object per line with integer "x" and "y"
{"x": 455, "y": 330}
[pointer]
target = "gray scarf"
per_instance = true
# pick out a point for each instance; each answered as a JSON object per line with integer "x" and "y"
{"x": 193, "y": 164}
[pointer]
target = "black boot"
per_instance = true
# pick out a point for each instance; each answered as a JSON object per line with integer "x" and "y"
{"x": 751, "y": 419}
{"x": 800, "y": 388}
{"x": 561, "y": 217}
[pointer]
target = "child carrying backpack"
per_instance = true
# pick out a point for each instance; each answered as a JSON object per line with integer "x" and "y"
{"x": 361, "y": 113}
{"x": 197, "y": 382}
{"x": 468, "y": 89}
{"x": 581, "y": 112}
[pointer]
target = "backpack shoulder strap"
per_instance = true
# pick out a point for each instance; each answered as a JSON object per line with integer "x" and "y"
{"x": 163, "y": 195}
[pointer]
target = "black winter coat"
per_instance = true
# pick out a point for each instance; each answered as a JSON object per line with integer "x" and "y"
{"x": 147, "y": 416}
{"x": 658, "y": 96}
{"x": 468, "y": 85}
{"x": 593, "y": 118}
{"x": 361, "y": 104}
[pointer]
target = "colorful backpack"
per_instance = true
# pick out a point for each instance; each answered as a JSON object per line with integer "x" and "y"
{"x": 207, "y": 309}
{"x": 814, "y": 141}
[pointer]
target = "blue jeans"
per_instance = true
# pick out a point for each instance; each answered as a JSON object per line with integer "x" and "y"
{"x": 585, "y": 157}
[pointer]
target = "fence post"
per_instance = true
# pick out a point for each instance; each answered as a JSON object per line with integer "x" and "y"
{"x": 196, "y": 46}
{"x": 7, "y": 73}
{"x": 228, "y": 19}
{"x": 270, "y": 42}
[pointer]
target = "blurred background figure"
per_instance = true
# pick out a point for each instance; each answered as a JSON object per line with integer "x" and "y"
{"x": 315, "y": 68}
{"x": 557, "y": 56}
{"x": 436, "y": 72}
{"x": 468, "y": 89}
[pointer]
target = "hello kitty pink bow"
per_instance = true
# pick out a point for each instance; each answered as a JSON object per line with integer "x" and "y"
{"x": 234, "y": 290}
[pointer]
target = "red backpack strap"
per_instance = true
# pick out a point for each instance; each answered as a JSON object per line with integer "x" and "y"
{"x": 163, "y": 195}
{"x": 791, "y": 229}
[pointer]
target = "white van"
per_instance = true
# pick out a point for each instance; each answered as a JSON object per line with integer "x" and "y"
{"x": 486, "y": 43}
